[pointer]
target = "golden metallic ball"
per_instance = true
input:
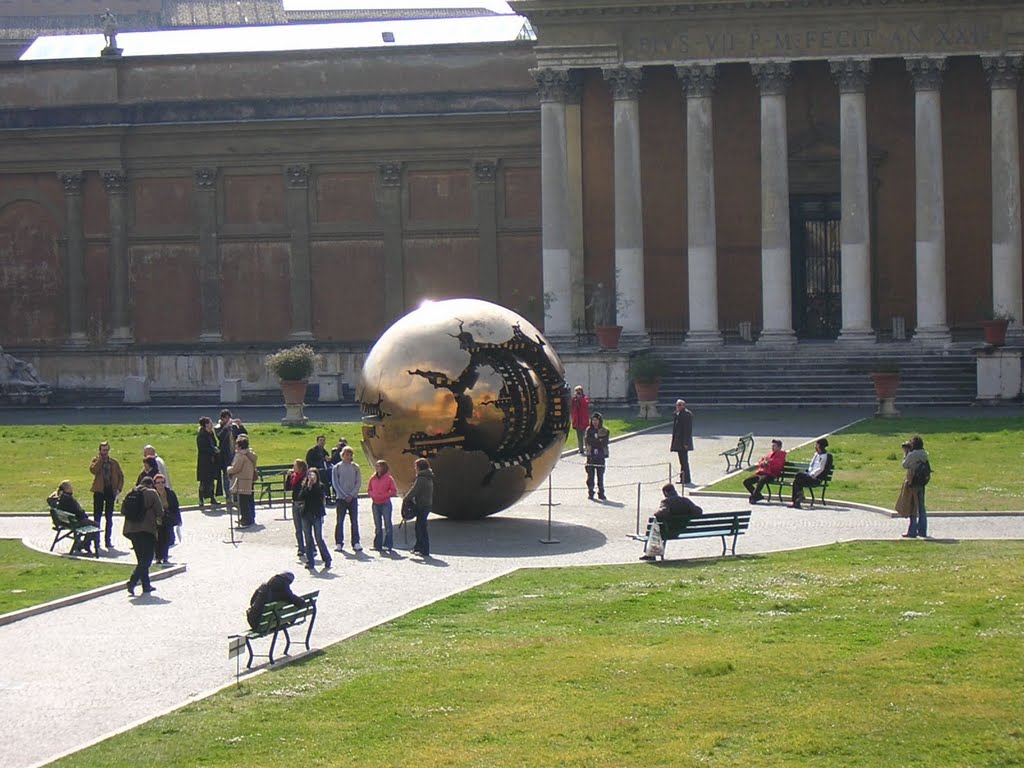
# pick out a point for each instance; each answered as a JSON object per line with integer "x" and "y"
{"x": 474, "y": 388}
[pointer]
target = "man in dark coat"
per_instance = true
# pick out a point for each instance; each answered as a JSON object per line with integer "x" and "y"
{"x": 277, "y": 588}
{"x": 682, "y": 440}
{"x": 672, "y": 507}
{"x": 228, "y": 429}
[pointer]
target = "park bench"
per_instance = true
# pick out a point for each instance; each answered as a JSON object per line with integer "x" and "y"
{"x": 277, "y": 618}
{"x": 790, "y": 471}
{"x": 721, "y": 524}
{"x": 67, "y": 526}
{"x": 740, "y": 456}
{"x": 270, "y": 482}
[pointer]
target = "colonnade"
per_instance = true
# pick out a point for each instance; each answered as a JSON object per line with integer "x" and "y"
{"x": 559, "y": 87}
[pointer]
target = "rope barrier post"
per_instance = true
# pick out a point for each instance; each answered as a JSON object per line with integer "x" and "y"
{"x": 549, "y": 505}
{"x": 638, "y": 509}
{"x": 670, "y": 471}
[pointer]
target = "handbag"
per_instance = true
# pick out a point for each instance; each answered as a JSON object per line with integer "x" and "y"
{"x": 655, "y": 544}
{"x": 408, "y": 508}
{"x": 906, "y": 502}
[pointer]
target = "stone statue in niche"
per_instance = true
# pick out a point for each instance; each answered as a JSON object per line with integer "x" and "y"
{"x": 19, "y": 382}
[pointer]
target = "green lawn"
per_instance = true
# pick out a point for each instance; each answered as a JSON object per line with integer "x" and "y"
{"x": 972, "y": 462}
{"x": 35, "y": 459}
{"x": 30, "y": 578}
{"x": 856, "y": 655}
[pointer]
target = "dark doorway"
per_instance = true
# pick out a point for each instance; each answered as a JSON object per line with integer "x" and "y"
{"x": 817, "y": 296}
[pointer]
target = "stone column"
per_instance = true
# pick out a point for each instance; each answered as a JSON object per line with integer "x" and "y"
{"x": 116, "y": 184}
{"x": 929, "y": 205}
{"x": 698, "y": 81}
{"x": 629, "y": 221}
{"x": 75, "y": 262}
{"x": 389, "y": 210}
{"x": 574, "y": 164}
{"x": 1004, "y": 76}
{"x": 552, "y": 85}
{"x": 855, "y": 230}
{"x": 204, "y": 194}
{"x": 486, "y": 173}
{"x": 776, "y": 268}
{"x": 300, "y": 266}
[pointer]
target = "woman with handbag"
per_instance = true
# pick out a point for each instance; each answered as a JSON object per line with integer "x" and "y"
{"x": 422, "y": 496}
{"x": 311, "y": 494}
{"x": 293, "y": 482}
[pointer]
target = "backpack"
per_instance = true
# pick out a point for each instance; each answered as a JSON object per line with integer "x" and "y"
{"x": 134, "y": 506}
{"x": 257, "y": 603}
{"x": 408, "y": 509}
{"x": 922, "y": 474}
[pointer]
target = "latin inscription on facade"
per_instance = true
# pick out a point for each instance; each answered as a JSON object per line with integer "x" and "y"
{"x": 977, "y": 34}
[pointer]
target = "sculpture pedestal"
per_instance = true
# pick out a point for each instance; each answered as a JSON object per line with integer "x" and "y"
{"x": 293, "y": 415}
{"x": 648, "y": 409}
{"x": 999, "y": 375}
{"x": 887, "y": 408}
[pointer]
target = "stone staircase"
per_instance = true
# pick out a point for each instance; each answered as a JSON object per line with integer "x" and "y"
{"x": 815, "y": 374}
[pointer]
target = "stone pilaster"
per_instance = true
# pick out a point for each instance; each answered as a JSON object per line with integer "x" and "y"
{"x": 929, "y": 206}
{"x": 297, "y": 205}
{"x": 553, "y": 86}
{"x": 116, "y": 183}
{"x": 851, "y": 75}
{"x": 1004, "y": 77}
{"x": 624, "y": 83}
{"x": 574, "y": 166}
{"x": 204, "y": 195}
{"x": 698, "y": 82}
{"x": 776, "y": 269}
{"x": 485, "y": 172}
{"x": 75, "y": 262}
{"x": 389, "y": 210}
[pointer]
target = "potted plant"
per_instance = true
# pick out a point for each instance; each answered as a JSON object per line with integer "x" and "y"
{"x": 603, "y": 304}
{"x": 885, "y": 373}
{"x": 293, "y": 366}
{"x": 646, "y": 371}
{"x": 994, "y": 327}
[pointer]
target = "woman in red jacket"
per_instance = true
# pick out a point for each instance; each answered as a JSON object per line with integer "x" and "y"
{"x": 579, "y": 409}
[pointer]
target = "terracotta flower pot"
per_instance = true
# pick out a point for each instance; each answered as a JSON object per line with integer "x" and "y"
{"x": 608, "y": 336}
{"x": 294, "y": 392}
{"x": 885, "y": 384}
{"x": 647, "y": 392}
{"x": 995, "y": 331}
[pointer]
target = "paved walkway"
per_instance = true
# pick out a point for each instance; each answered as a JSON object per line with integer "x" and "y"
{"x": 178, "y": 636}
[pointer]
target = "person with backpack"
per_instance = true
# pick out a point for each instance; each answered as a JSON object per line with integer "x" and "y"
{"x": 143, "y": 513}
{"x": 277, "y": 589}
{"x": 919, "y": 472}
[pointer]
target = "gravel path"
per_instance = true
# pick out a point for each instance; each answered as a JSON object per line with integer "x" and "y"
{"x": 178, "y": 636}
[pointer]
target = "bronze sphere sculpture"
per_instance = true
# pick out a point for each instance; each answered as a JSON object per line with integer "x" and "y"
{"x": 474, "y": 388}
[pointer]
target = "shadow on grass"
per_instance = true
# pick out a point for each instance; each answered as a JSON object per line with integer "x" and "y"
{"x": 703, "y": 562}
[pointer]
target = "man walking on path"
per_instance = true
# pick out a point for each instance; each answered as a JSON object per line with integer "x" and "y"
{"x": 682, "y": 440}
{"x": 107, "y": 482}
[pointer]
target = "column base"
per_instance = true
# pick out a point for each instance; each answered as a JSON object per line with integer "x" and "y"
{"x": 703, "y": 339}
{"x": 300, "y": 336}
{"x": 933, "y": 335}
{"x": 77, "y": 339}
{"x": 211, "y": 337}
{"x": 121, "y": 336}
{"x": 776, "y": 338}
{"x": 857, "y": 336}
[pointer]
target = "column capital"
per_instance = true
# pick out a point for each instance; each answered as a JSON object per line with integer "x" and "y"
{"x": 1003, "y": 71}
{"x": 772, "y": 77}
{"x": 390, "y": 174}
{"x": 926, "y": 72}
{"x": 71, "y": 181}
{"x": 624, "y": 81}
{"x": 297, "y": 176}
{"x": 115, "y": 181}
{"x": 697, "y": 80}
{"x": 552, "y": 84}
{"x": 851, "y": 75}
{"x": 485, "y": 170}
{"x": 204, "y": 179}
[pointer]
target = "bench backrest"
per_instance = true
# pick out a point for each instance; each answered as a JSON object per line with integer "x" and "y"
{"x": 746, "y": 447}
{"x": 712, "y": 524}
{"x": 64, "y": 519}
{"x": 284, "y": 614}
{"x": 793, "y": 468}
{"x": 273, "y": 469}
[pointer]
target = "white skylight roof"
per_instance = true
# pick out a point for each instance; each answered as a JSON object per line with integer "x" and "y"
{"x": 290, "y": 37}
{"x": 494, "y": 6}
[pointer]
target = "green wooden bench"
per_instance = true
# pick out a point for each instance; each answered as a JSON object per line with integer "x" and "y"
{"x": 721, "y": 524}
{"x": 277, "y": 618}
{"x": 790, "y": 471}
{"x": 740, "y": 456}
{"x": 67, "y": 526}
{"x": 270, "y": 483}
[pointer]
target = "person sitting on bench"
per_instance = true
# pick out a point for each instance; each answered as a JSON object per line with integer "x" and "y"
{"x": 672, "y": 507}
{"x": 768, "y": 468}
{"x": 816, "y": 470}
{"x": 277, "y": 588}
{"x": 63, "y": 498}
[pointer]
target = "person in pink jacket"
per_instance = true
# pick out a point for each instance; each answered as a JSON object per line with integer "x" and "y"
{"x": 382, "y": 489}
{"x": 579, "y": 410}
{"x": 769, "y": 467}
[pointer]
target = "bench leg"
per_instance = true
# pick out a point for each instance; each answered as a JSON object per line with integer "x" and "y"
{"x": 248, "y": 647}
{"x": 287, "y": 641}
{"x": 273, "y": 642}
{"x": 56, "y": 538}
{"x": 312, "y": 618}
{"x": 723, "y": 546}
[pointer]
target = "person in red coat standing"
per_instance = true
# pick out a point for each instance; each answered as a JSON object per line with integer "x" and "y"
{"x": 579, "y": 409}
{"x": 767, "y": 468}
